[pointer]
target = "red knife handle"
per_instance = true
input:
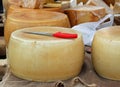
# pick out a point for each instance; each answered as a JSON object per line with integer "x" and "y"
{"x": 64, "y": 35}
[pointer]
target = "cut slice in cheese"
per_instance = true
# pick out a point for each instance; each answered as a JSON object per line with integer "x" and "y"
{"x": 106, "y": 52}
{"x": 30, "y": 18}
{"x": 83, "y": 14}
{"x": 45, "y": 58}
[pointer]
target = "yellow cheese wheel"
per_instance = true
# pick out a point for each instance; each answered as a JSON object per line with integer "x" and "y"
{"x": 106, "y": 52}
{"x": 45, "y": 58}
{"x": 23, "y": 19}
{"x": 84, "y": 14}
{"x": 14, "y": 8}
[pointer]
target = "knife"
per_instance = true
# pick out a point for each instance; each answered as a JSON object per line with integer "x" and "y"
{"x": 57, "y": 34}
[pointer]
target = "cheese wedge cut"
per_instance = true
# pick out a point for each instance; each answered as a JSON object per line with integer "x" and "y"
{"x": 84, "y": 14}
{"x": 30, "y": 18}
{"x": 45, "y": 58}
{"x": 106, "y": 52}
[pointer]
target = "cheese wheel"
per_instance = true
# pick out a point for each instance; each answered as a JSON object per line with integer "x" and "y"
{"x": 83, "y": 14}
{"x": 14, "y": 8}
{"x": 23, "y": 19}
{"x": 45, "y": 58}
{"x": 106, "y": 52}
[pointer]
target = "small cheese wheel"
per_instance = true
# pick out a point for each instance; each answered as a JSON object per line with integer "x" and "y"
{"x": 84, "y": 14}
{"x": 23, "y": 19}
{"x": 45, "y": 58}
{"x": 106, "y": 52}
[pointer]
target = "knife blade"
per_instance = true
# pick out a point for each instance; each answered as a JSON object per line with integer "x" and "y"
{"x": 56, "y": 34}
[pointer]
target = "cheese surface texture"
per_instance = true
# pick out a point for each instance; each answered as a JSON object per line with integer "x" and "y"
{"x": 30, "y": 18}
{"x": 45, "y": 58}
{"x": 106, "y": 52}
{"x": 84, "y": 14}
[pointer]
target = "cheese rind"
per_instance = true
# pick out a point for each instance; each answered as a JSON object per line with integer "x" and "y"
{"x": 45, "y": 58}
{"x": 84, "y": 14}
{"x": 106, "y": 52}
{"x": 23, "y": 19}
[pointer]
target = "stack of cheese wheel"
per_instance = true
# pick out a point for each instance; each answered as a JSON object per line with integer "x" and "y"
{"x": 106, "y": 52}
{"x": 45, "y": 58}
{"x": 30, "y": 18}
{"x": 83, "y": 14}
{"x": 17, "y": 6}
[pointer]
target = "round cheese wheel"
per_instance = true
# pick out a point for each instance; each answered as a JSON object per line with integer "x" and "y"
{"x": 84, "y": 14}
{"x": 14, "y": 8}
{"x": 106, "y": 52}
{"x": 45, "y": 58}
{"x": 23, "y": 19}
